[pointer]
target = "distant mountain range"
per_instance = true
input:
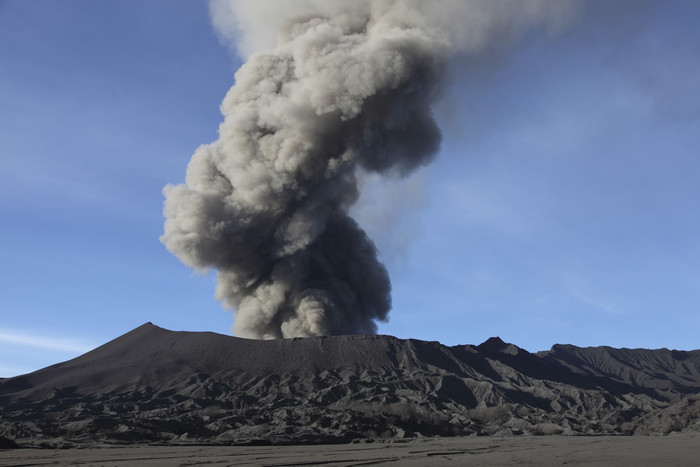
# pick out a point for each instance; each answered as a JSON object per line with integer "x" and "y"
{"x": 152, "y": 385}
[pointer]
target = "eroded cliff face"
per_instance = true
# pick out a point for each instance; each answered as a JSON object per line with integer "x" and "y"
{"x": 154, "y": 385}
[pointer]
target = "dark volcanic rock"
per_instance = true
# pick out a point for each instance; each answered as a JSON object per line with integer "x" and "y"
{"x": 7, "y": 443}
{"x": 154, "y": 385}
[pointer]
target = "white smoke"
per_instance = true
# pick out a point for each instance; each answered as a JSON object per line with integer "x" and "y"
{"x": 250, "y": 26}
{"x": 330, "y": 89}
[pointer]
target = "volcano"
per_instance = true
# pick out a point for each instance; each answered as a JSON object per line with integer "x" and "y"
{"x": 152, "y": 385}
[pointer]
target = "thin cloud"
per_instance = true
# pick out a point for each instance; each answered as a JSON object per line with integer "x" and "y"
{"x": 579, "y": 290}
{"x": 11, "y": 371}
{"x": 43, "y": 342}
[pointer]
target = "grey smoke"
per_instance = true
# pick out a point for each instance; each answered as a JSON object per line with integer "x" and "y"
{"x": 344, "y": 88}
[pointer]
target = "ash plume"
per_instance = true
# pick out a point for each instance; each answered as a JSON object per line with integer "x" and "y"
{"x": 342, "y": 88}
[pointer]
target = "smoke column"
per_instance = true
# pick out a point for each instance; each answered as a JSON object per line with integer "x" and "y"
{"x": 343, "y": 88}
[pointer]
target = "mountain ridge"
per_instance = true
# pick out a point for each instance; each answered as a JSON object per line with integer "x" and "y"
{"x": 156, "y": 385}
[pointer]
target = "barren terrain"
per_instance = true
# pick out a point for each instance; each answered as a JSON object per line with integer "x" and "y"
{"x": 672, "y": 450}
{"x": 153, "y": 386}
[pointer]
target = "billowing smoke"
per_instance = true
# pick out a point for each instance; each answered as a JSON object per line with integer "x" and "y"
{"x": 345, "y": 88}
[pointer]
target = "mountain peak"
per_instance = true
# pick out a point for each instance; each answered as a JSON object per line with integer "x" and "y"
{"x": 496, "y": 344}
{"x": 493, "y": 344}
{"x": 492, "y": 341}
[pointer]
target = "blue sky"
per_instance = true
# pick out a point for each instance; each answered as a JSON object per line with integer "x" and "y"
{"x": 562, "y": 207}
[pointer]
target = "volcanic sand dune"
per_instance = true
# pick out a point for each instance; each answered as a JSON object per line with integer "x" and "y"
{"x": 157, "y": 386}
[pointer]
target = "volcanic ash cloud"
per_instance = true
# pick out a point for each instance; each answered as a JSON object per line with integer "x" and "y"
{"x": 347, "y": 89}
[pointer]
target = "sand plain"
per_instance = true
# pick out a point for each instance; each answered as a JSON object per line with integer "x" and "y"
{"x": 671, "y": 450}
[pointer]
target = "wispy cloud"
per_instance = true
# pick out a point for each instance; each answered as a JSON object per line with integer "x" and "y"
{"x": 8, "y": 336}
{"x": 10, "y": 371}
{"x": 581, "y": 291}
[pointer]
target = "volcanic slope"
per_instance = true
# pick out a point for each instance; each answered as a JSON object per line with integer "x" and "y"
{"x": 154, "y": 385}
